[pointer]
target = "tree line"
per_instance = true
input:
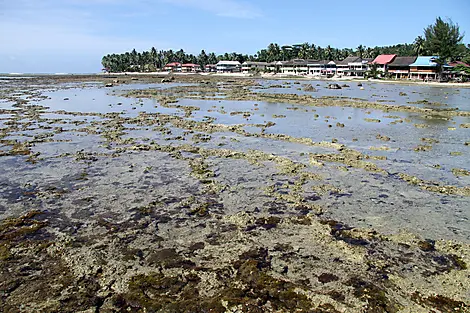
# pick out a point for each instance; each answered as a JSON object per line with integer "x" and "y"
{"x": 443, "y": 38}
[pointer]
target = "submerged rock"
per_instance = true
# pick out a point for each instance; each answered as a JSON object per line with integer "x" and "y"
{"x": 309, "y": 88}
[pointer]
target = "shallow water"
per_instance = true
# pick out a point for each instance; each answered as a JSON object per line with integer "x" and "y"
{"x": 382, "y": 92}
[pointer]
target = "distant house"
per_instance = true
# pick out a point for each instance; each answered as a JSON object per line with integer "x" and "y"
{"x": 172, "y": 67}
{"x": 352, "y": 66}
{"x": 456, "y": 63}
{"x": 228, "y": 66}
{"x": 295, "y": 66}
{"x": 343, "y": 65}
{"x": 250, "y": 66}
{"x": 400, "y": 67}
{"x": 358, "y": 67}
{"x": 275, "y": 67}
{"x": 458, "y": 72}
{"x": 382, "y": 61}
{"x": 210, "y": 68}
{"x": 425, "y": 67}
{"x": 190, "y": 68}
{"x": 322, "y": 68}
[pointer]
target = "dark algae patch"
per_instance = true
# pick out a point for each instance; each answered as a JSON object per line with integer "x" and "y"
{"x": 441, "y": 303}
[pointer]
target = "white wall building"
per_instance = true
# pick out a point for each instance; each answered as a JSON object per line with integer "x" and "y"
{"x": 228, "y": 66}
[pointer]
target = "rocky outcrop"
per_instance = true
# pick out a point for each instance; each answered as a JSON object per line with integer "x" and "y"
{"x": 334, "y": 86}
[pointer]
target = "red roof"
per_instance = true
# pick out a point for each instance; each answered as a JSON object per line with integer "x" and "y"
{"x": 173, "y": 64}
{"x": 458, "y": 63}
{"x": 384, "y": 59}
{"x": 190, "y": 65}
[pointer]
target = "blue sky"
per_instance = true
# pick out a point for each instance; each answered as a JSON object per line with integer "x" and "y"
{"x": 72, "y": 35}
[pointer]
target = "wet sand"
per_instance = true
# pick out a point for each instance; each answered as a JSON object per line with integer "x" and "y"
{"x": 232, "y": 195}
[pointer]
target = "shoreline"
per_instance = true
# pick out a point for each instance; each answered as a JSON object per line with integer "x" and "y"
{"x": 238, "y": 76}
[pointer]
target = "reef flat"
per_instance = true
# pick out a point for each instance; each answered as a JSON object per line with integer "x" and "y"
{"x": 210, "y": 194}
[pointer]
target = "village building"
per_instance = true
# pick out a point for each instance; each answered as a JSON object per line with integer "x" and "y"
{"x": 425, "y": 68}
{"x": 190, "y": 68}
{"x": 382, "y": 61}
{"x": 455, "y": 73}
{"x": 343, "y": 65}
{"x": 249, "y": 67}
{"x": 457, "y": 63}
{"x": 358, "y": 67}
{"x": 295, "y": 67}
{"x": 322, "y": 68}
{"x": 172, "y": 67}
{"x": 399, "y": 68}
{"x": 228, "y": 67}
{"x": 352, "y": 66}
{"x": 210, "y": 68}
{"x": 275, "y": 67}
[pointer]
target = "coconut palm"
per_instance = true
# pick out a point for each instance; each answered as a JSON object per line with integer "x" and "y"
{"x": 360, "y": 51}
{"x": 304, "y": 51}
{"x": 154, "y": 58}
{"x": 329, "y": 53}
{"x": 418, "y": 45}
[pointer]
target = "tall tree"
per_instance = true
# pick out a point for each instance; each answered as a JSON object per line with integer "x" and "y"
{"x": 418, "y": 45}
{"x": 443, "y": 39}
{"x": 181, "y": 56}
{"x": 154, "y": 58}
{"x": 203, "y": 59}
{"x": 329, "y": 53}
{"x": 360, "y": 51}
{"x": 304, "y": 51}
{"x": 273, "y": 52}
{"x": 134, "y": 57}
{"x": 212, "y": 58}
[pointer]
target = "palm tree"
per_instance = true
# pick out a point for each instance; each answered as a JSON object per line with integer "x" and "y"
{"x": 154, "y": 58}
{"x": 329, "y": 53}
{"x": 320, "y": 53}
{"x": 202, "y": 58}
{"x": 181, "y": 56}
{"x": 274, "y": 52}
{"x": 419, "y": 45}
{"x": 286, "y": 52}
{"x": 360, "y": 51}
{"x": 134, "y": 57}
{"x": 304, "y": 51}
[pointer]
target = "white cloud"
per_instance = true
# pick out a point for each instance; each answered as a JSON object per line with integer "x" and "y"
{"x": 227, "y": 8}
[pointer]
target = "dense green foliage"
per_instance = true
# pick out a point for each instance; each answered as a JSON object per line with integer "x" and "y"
{"x": 442, "y": 39}
{"x": 153, "y": 59}
{"x": 461, "y": 69}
